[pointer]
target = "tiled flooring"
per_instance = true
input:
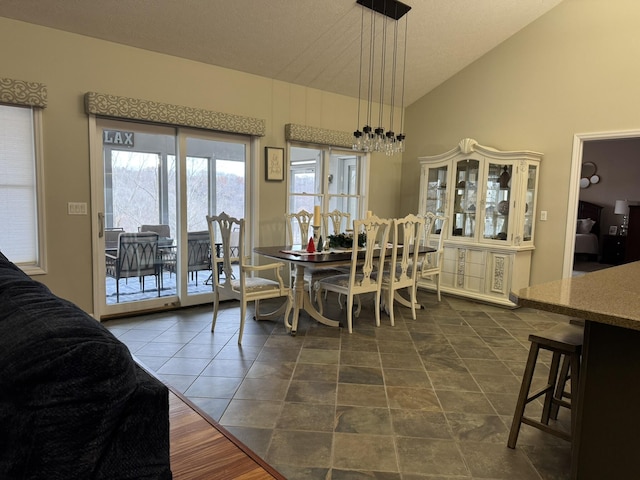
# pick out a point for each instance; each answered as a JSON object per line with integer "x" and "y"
{"x": 430, "y": 398}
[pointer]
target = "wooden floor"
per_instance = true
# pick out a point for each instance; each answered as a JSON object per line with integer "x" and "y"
{"x": 201, "y": 449}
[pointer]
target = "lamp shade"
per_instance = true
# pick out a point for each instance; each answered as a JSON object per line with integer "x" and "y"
{"x": 621, "y": 208}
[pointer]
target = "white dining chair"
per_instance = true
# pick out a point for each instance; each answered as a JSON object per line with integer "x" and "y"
{"x": 399, "y": 274}
{"x": 335, "y": 222}
{"x": 360, "y": 278}
{"x": 249, "y": 286}
{"x": 430, "y": 265}
{"x": 298, "y": 226}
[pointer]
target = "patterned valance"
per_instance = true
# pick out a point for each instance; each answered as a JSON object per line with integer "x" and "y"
{"x": 20, "y": 92}
{"x": 146, "y": 110}
{"x": 305, "y": 134}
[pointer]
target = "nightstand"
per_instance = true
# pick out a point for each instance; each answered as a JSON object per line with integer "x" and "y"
{"x": 613, "y": 249}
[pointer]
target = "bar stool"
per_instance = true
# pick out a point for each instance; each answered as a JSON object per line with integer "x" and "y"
{"x": 563, "y": 341}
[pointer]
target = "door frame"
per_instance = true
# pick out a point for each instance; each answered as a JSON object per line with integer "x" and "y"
{"x": 574, "y": 187}
{"x": 100, "y": 309}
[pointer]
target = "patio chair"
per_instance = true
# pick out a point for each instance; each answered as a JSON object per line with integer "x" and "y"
{"x": 136, "y": 256}
{"x": 198, "y": 253}
{"x": 249, "y": 287}
{"x": 360, "y": 280}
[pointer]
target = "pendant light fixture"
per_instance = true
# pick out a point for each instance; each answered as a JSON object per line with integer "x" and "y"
{"x": 375, "y": 19}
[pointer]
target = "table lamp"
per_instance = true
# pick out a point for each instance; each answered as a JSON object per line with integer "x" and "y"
{"x": 622, "y": 208}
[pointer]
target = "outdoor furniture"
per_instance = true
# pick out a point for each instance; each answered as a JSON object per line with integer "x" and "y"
{"x": 136, "y": 256}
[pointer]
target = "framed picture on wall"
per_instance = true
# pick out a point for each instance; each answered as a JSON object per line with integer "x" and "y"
{"x": 613, "y": 230}
{"x": 274, "y": 164}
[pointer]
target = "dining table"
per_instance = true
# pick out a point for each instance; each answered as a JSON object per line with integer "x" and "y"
{"x": 303, "y": 260}
{"x": 606, "y": 440}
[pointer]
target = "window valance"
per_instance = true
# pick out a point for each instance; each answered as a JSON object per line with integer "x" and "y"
{"x": 178, "y": 115}
{"x": 21, "y": 92}
{"x": 305, "y": 134}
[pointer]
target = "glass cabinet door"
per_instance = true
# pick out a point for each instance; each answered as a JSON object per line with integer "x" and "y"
{"x": 529, "y": 207}
{"x": 497, "y": 202}
{"x": 465, "y": 201}
{"x": 436, "y": 195}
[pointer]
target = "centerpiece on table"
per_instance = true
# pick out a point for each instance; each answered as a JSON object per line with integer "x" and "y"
{"x": 345, "y": 240}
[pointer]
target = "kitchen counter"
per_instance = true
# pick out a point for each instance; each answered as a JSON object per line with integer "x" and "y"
{"x": 606, "y": 442}
{"x": 610, "y": 296}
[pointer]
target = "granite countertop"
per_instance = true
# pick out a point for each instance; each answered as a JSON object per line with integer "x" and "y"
{"x": 610, "y": 296}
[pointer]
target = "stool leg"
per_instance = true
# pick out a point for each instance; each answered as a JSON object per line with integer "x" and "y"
{"x": 562, "y": 382}
{"x": 551, "y": 387}
{"x": 527, "y": 377}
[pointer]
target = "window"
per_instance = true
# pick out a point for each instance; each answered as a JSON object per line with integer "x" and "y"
{"x": 20, "y": 189}
{"x": 333, "y": 178}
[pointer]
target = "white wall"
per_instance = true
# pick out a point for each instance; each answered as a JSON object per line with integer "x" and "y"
{"x": 572, "y": 71}
{"x": 71, "y": 65}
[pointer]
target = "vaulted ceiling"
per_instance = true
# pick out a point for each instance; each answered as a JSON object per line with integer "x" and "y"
{"x": 314, "y": 43}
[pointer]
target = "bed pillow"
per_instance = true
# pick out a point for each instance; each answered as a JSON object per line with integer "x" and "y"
{"x": 585, "y": 225}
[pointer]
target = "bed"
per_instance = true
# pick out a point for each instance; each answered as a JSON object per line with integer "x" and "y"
{"x": 588, "y": 229}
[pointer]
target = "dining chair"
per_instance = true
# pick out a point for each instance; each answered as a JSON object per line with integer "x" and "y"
{"x": 335, "y": 222}
{"x": 430, "y": 266}
{"x": 249, "y": 286}
{"x": 360, "y": 278}
{"x": 136, "y": 256}
{"x": 298, "y": 226}
{"x": 399, "y": 275}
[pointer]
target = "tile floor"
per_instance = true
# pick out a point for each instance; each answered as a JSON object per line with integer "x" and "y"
{"x": 430, "y": 398}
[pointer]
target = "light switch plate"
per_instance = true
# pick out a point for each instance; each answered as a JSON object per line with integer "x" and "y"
{"x": 77, "y": 208}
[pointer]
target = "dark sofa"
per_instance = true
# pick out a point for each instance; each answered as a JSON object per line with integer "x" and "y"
{"x": 73, "y": 402}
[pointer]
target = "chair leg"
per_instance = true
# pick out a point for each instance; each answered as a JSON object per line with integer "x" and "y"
{"x": 377, "y": 308}
{"x": 243, "y": 314}
{"x": 413, "y": 298}
{"x": 350, "y": 313}
{"x": 389, "y": 303}
{"x": 527, "y": 377}
{"x": 438, "y": 286}
{"x": 216, "y": 302}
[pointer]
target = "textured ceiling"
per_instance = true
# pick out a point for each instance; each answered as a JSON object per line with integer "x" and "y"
{"x": 315, "y": 43}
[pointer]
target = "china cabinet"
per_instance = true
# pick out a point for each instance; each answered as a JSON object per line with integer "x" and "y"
{"x": 489, "y": 197}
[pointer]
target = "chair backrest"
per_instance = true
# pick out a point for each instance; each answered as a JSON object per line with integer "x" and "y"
{"x": 429, "y": 223}
{"x": 220, "y": 234}
{"x": 376, "y": 232}
{"x": 407, "y": 237}
{"x": 162, "y": 230}
{"x": 335, "y": 222}
{"x": 297, "y": 227}
{"x": 198, "y": 251}
{"x": 433, "y": 260}
{"x": 137, "y": 254}
{"x": 111, "y": 237}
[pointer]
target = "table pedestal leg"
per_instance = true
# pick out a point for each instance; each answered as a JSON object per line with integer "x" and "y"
{"x": 302, "y": 301}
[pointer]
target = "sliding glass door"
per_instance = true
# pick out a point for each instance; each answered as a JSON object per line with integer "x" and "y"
{"x": 158, "y": 184}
